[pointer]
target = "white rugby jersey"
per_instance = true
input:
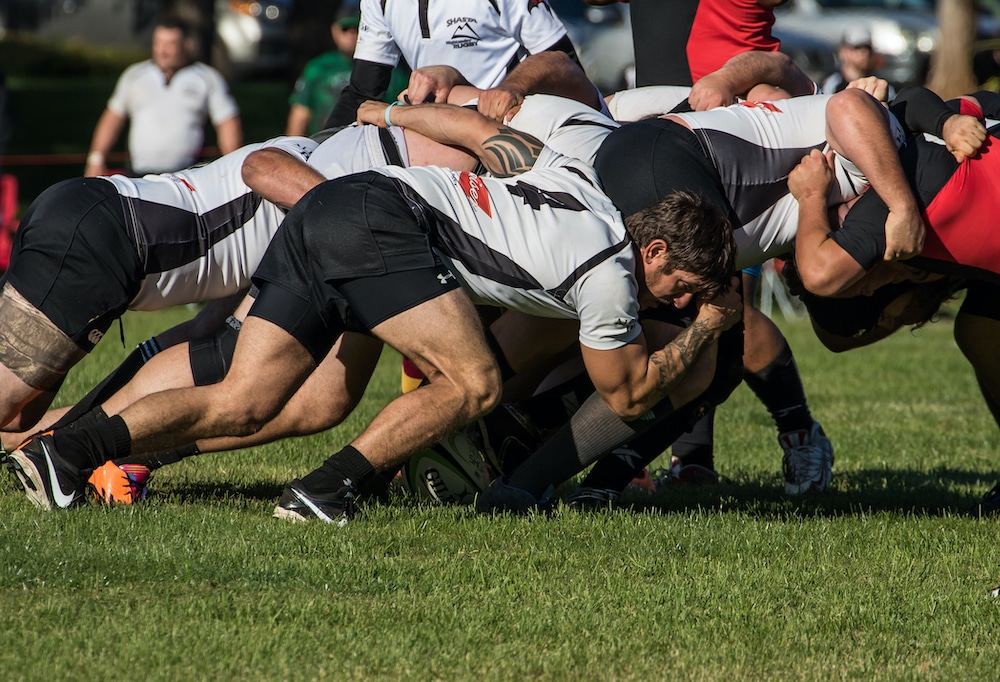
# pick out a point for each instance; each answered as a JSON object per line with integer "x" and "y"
{"x": 167, "y": 119}
{"x": 201, "y": 232}
{"x": 483, "y": 39}
{"x": 547, "y": 243}
{"x": 651, "y": 100}
{"x": 566, "y": 126}
{"x": 754, "y": 146}
{"x": 358, "y": 148}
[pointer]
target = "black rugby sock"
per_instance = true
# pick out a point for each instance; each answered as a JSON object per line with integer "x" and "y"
{"x": 615, "y": 471}
{"x": 92, "y": 446}
{"x": 341, "y": 467}
{"x": 697, "y": 445}
{"x": 779, "y": 387}
{"x": 552, "y": 407}
{"x": 154, "y": 462}
{"x": 111, "y": 384}
{"x": 593, "y": 431}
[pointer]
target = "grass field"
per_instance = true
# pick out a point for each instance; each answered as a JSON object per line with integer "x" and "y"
{"x": 881, "y": 579}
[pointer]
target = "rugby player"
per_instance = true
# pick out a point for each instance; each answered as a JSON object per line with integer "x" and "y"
{"x": 88, "y": 249}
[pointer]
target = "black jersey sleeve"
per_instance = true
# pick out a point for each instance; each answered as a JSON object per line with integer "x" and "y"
{"x": 862, "y": 235}
{"x": 920, "y": 110}
{"x": 990, "y": 103}
{"x": 564, "y": 44}
{"x": 369, "y": 80}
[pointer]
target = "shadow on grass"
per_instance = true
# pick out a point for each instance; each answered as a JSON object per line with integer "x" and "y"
{"x": 217, "y": 491}
{"x": 941, "y": 492}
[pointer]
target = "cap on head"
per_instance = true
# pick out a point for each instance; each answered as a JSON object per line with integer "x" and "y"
{"x": 857, "y": 36}
{"x": 349, "y": 16}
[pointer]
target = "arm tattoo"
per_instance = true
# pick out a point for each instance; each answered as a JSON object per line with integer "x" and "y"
{"x": 677, "y": 357}
{"x": 510, "y": 152}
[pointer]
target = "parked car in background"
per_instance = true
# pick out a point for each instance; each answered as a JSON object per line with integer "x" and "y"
{"x": 603, "y": 39}
{"x": 904, "y": 32}
{"x": 252, "y": 35}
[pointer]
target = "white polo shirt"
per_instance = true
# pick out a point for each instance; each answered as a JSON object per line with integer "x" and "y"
{"x": 480, "y": 38}
{"x": 167, "y": 120}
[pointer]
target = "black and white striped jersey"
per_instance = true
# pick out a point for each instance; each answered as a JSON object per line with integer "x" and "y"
{"x": 566, "y": 126}
{"x": 547, "y": 243}
{"x": 754, "y": 146}
{"x": 201, "y": 232}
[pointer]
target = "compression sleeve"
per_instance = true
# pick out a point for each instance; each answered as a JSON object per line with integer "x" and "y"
{"x": 990, "y": 103}
{"x": 921, "y": 111}
{"x": 369, "y": 80}
{"x": 863, "y": 233}
{"x": 564, "y": 44}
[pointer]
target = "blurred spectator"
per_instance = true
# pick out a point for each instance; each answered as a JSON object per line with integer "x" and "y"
{"x": 986, "y": 68}
{"x": 324, "y": 77}
{"x": 484, "y": 41}
{"x": 167, "y": 100}
{"x": 857, "y": 59}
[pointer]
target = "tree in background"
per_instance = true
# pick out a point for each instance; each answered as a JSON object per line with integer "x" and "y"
{"x": 951, "y": 64}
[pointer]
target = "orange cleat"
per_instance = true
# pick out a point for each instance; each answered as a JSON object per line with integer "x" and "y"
{"x": 120, "y": 484}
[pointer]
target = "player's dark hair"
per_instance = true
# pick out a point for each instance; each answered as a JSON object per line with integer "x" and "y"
{"x": 175, "y": 23}
{"x": 698, "y": 235}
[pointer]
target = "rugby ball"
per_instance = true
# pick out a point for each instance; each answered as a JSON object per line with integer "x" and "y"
{"x": 451, "y": 471}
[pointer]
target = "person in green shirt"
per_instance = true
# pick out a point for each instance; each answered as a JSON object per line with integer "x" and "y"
{"x": 324, "y": 77}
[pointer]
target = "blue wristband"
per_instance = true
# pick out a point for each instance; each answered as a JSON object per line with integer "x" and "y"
{"x": 388, "y": 123}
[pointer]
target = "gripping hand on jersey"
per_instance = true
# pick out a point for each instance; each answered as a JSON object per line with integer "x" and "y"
{"x": 963, "y": 136}
{"x": 432, "y": 84}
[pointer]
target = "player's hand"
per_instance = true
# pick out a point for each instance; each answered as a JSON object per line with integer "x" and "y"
{"x": 873, "y": 85}
{"x": 904, "y": 235}
{"x": 372, "y": 112}
{"x": 723, "y": 311}
{"x": 432, "y": 84}
{"x": 496, "y": 102}
{"x": 963, "y": 136}
{"x": 711, "y": 91}
{"x": 812, "y": 177}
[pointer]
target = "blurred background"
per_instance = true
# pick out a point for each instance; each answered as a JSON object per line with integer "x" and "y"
{"x": 62, "y": 57}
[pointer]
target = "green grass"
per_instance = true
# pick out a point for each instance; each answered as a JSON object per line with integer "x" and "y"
{"x": 882, "y": 578}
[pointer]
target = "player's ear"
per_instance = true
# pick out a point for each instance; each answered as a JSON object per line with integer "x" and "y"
{"x": 654, "y": 251}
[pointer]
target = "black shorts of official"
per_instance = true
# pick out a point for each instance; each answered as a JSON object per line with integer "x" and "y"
{"x": 643, "y": 162}
{"x": 982, "y": 299}
{"x": 74, "y": 260}
{"x": 352, "y": 253}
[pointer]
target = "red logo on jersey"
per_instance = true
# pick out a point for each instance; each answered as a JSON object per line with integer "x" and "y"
{"x": 475, "y": 189}
{"x": 766, "y": 106}
{"x": 532, "y": 4}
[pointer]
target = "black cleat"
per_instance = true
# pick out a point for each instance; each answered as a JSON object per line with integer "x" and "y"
{"x": 990, "y": 504}
{"x": 502, "y": 497}
{"x": 299, "y": 504}
{"x": 49, "y": 480}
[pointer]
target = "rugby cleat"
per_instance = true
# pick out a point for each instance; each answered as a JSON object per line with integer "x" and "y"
{"x": 502, "y": 497}
{"x": 508, "y": 437}
{"x": 685, "y": 474}
{"x": 299, "y": 504}
{"x": 990, "y": 504}
{"x": 808, "y": 460}
{"x": 585, "y": 499}
{"x": 49, "y": 480}
{"x": 120, "y": 483}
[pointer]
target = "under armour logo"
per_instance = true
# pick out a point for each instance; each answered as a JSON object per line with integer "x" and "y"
{"x": 443, "y": 277}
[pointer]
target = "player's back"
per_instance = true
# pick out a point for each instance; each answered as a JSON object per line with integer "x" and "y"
{"x": 201, "y": 231}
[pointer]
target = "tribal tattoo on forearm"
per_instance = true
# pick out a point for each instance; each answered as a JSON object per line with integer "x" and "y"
{"x": 510, "y": 152}
{"x": 674, "y": 359}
